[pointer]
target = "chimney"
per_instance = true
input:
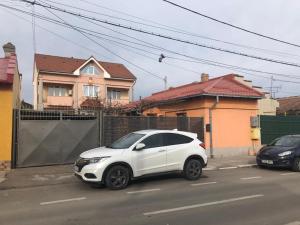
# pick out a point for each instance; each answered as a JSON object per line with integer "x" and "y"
{"x": 204, "y": 77}
{"x": 9, "y": 49}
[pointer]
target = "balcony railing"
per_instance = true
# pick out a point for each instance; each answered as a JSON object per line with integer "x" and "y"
{"x": 59, "y": 101}
{"x": 117, "y": 101}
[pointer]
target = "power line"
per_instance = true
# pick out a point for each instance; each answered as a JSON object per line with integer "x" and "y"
{"x": 164, "y": 36}
{"x": 202, "y": 61}
{"x": 173, "y": 29}
{"x": 58, "y": 35}
{"x": 231, "y": 25}
{"x": 133, "y": 64}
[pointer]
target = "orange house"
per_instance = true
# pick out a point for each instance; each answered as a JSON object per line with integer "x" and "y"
{"x": 225, "y": 104}
{"x": 74, "y": 83}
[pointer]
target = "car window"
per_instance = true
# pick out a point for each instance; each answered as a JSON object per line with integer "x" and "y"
{"x": 126, "y": 141}
{"x": 153, "y": 141}
{"x": 175, "y": 139}
{"x": 286, "y": 141}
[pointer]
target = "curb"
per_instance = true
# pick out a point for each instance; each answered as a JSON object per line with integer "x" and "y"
{"x": 230, "y": 167}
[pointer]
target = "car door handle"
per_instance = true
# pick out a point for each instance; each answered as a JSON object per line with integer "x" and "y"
{"x": 162, "y": 150}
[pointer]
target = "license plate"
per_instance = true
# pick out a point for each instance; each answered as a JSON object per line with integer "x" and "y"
{"x": 270, "y": 162}
{"x": 76, "y": 168}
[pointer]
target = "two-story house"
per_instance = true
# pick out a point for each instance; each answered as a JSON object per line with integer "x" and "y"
{"x": 71, "y": 82}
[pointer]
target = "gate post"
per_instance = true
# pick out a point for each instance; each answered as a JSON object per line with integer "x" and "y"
{"x": 15, "y": 138}
{"x": 100, "y": 125}
{"x": 189, "y": 124}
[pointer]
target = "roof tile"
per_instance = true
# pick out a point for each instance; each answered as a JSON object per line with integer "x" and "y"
{"x": 49, "y": 63}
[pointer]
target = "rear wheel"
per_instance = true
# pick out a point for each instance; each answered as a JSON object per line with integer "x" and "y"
{"x": 193, "y": 169}
{"x": 117, "y": 177}
{"x": 296, "y": 165}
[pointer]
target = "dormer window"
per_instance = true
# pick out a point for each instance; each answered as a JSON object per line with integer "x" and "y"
{"x": 90, "y": 69}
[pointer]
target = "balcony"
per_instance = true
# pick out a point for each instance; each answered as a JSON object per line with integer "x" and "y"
{"x": 117, "y": 102}
{"x": 59, "y": 101}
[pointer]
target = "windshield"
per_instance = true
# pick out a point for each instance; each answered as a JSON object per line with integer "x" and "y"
{"x": 126, "y": 141}
{"x": 287, "y": 141}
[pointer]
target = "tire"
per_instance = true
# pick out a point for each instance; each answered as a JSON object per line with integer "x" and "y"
{"x": 117, "y": 177}
{"x": 296, "y": 165}
{"x": 193, "y": 169}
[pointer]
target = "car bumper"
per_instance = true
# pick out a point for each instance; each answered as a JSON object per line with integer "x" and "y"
{"x": 90, "y": 173}
{"x": 282, "y": 162}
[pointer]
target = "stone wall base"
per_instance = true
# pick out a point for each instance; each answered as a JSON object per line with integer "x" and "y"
{"x": 5, "y": 165}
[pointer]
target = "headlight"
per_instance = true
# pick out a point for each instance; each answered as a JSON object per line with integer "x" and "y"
{"x": 97, "y": 159}
{"x": 285, "y": 153}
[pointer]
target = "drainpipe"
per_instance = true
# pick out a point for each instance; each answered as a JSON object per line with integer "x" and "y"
{"x": 132, "y": 93}
{"x": 211, "y": 148}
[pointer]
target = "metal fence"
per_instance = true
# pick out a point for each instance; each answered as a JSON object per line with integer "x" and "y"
{"x": 115, "y": 127}
{"x": 275, "y": 126}
{"x": 58, "y": 137}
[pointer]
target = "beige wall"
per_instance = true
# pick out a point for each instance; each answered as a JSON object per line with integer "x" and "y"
{"x": 268, "y": 106}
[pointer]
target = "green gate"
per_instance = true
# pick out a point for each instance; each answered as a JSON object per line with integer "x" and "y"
{"x": 275, "y": 126}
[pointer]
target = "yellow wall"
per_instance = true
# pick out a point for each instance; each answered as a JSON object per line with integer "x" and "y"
{"x": 230, "y": 119}
{"x": 6, "y": 108}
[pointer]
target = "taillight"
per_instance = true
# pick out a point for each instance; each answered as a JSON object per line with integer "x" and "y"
{"x": 202, "y": 145}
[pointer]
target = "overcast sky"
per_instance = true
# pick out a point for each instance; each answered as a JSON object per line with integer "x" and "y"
{"x": 280, "y": 19}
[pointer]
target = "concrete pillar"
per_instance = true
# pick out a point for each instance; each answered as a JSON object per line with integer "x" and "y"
{"x": 40, "y": 95}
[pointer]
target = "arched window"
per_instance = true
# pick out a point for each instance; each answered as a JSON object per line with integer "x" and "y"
{"x": 90, "y": 69}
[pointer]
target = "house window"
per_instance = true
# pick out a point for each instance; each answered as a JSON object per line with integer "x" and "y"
{"x": 90, "y": 91}
{"x": 90, "y": 69}
{"x": 57, "y": 91}
{"x": 114, "y": 94}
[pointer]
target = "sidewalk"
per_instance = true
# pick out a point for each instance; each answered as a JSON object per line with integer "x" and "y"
{"x": 38, "y": 176}
{"x": 2, "y": 176}
{"x": 63, "y": 174}
{"x": 231, "y": 162}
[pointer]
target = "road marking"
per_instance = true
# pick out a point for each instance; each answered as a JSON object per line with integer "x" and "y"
{"x": 143, "y": 191}
{"x": 294, "y": 223}
{"x": 209, "y": 168}
{"x": 286, "y": 174}
{"x": 201, "y": 184}
{"x": 63, "y": 200}
{"x": 250, "y": 178}
{"x": 246, "y": 165}
{"x": 228, "y": 168}
{"x": 202, "y": 205}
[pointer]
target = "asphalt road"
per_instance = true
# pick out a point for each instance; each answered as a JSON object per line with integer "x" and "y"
{"x": 230, "y": 197}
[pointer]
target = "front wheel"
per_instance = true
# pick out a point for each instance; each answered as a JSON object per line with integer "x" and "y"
{"x": 117, "y": 177}
{"x": 193, "y": 169}
{"x": 296, "y": 165}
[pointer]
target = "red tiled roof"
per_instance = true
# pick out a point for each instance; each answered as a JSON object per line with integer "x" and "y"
{"x": 289, "y": 105}
{"x": 221, "y": 86}
{"x": 49, "y": 63}
{"x": 7, "y": 69}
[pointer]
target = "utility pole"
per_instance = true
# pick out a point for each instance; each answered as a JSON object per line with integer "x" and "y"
{"x": 166, "y": 82}
{"x": 271, "y": 87}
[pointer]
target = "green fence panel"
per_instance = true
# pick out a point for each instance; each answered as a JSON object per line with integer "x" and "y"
{"x": 275, "y": 126}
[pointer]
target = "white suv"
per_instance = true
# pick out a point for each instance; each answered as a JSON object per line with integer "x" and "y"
{"x": 142, "y": 153}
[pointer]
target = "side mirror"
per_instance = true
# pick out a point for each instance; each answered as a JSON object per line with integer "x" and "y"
{"x": 140, "y": 146}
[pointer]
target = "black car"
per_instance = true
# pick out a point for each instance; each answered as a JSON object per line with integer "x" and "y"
{"x": 283, "y": 152}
